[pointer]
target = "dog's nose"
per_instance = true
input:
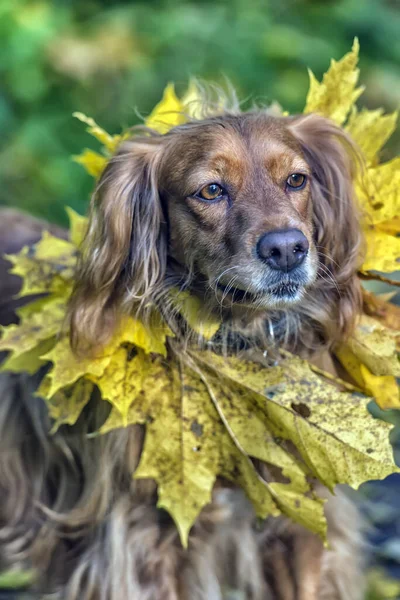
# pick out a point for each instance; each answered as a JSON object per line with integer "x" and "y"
{"x": 283, "y": 250}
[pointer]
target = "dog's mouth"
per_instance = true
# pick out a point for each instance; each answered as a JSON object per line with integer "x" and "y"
{"x": 285, "y": 291}
{"x": 282, "y": 292}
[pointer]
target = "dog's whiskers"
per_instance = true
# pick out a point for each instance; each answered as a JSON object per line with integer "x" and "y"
{"x": 329, "y": 277}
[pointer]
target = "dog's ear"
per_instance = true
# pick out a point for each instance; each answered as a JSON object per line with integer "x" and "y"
{"x": 123, "y": 256}
{"x": 334, "y": 160}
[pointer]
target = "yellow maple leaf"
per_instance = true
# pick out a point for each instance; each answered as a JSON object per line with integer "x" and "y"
{"x": 29, "y": 361}
{"x": 40, "y": 320}
{"x": 336, "y": 94}
{"x": 125, "y": 381}
{"x": 375, "y": 346}
{"x": 185, "y": 476}
{"x": 371, "y": 129}
{"x": 92, "y": 161}
{"x": 68, "y": 368}
{"x": 382, "y": 251}
{"x": 370, "y": 354}
{"x": 48, "y": 266}
{"x": 392, "y": 227}
{"x": 66, "y": 405}
{"x": 255, "y": 438}
{"x": 110, "y": 142}
{"x": 198, "y": 447}
{"x": 224, "y": 411}
{"x": 378, "y": 192}
{"x": 151, "y": 337}
{"x": 329, "y": 428}
{"x": 77, "y": 226}
{"x": 168, "y": 113}
{"x": 383, "y": 388}
{"x": 378, "y": 186}
{"x": 197, "y": 316}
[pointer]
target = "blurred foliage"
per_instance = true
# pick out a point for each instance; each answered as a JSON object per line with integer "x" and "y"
{"x": 113, "y": 59}
{"x": 382, "y": 587}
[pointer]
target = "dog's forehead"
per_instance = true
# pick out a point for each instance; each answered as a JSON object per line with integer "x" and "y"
{"x": 230, "y": 147}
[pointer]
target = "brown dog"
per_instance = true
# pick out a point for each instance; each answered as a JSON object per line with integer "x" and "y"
{"x": 255, "y": 215}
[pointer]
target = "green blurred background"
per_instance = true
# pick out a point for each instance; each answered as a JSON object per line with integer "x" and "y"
{"x": 111, "y": 60}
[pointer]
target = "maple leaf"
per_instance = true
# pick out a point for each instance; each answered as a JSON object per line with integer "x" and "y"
{"x": 68, "y": 368}
{"x": 329, "y": 428}
{"x": 198, "y": 448}
{"x": 197, "y": 316}
{"x": 48, "y": 266}
{"x": 221, "y": 411}
{"x": 383, "y": 251}
{"x": 378, "y": 187}
{"x": 110, "y": 142}
{"x": 383, "y": 388}
{"x": 77, "y": 226}
{"x": 336, "y": 94}
{"x": 183, "y": 444}
{"x": 40, "y": 321}
{"x": 375, "y": 345}
{"x": 65, "y": 405}
{"x": 200, "y": 445}
{"x": 392, "y": 227}
{"x": 29, "y": 361}
{"x": 168, "y": 113}
{"x": 92, "y": 161}
{"x": 370, "y": 354}
{"x": 379, "y": 195}
{"x": 371, "y": 129}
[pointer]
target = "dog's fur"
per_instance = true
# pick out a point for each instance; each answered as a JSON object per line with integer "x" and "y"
{"x": 68, "y": 504}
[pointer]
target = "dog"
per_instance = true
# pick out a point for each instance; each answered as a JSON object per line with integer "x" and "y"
{"x": 255, "y": 215}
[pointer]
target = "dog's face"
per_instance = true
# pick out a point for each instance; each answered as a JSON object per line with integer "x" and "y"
{"x": 251, "y": 211}
{"x": 237, "y": 194}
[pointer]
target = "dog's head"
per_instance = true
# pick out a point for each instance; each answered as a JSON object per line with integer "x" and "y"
{"x": 251, "y": 211}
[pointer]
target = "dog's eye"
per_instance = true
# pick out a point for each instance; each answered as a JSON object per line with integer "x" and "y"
{"x": 213, "y": 191}
{"x": 296, "y": 181}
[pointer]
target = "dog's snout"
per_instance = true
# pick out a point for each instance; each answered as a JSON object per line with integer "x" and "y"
{"x": 283, "y": 250}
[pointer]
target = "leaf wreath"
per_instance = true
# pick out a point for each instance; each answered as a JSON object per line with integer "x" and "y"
{"x": 221, "y": 414}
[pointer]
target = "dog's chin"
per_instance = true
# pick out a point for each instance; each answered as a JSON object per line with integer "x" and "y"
{"x": 284, "y": 294}
{"x": 278, "y": 295}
